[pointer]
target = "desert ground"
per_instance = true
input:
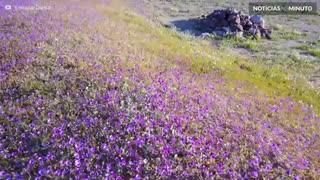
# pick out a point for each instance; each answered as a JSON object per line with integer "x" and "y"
{"x": 292, "y": 34}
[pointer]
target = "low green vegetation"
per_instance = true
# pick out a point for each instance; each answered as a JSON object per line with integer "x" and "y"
{"x": 272, "y": 79}
{"x": 303, "y": 47}
{"x": 293, "y": 17}
{"x": 287, "y": 34}
{"x": 249, "y": 44}
{"x": 277, "y": 27}
{"x": 313, "y": 22}
{"x": 312, "y": 49}
{"x": 315, "y": 52}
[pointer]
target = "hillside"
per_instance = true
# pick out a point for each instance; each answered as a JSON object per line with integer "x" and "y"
{"x": 295, "y": 43}
{"x": 96, "y": 90}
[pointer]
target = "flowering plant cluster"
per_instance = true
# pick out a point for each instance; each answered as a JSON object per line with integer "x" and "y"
{"x": 69, "y": 108}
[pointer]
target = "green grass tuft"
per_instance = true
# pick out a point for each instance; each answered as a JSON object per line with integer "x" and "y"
{"x": 303, "y": 47}
{"x": 315, "y": 52}
{"x": 249, "y": 44}
{"x": 309, "y": 48}
{"x": 277, "y": 27}
{"x": 293, "y": 35}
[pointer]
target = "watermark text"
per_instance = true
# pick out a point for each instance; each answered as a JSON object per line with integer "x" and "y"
{"x": 283, "y": 8}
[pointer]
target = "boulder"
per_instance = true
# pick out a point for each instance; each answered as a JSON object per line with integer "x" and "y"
{"x": 231, "y": 21}
{"x": 255, "y": 19}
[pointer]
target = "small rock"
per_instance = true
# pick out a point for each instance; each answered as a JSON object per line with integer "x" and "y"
{"x": 204, "y": 35}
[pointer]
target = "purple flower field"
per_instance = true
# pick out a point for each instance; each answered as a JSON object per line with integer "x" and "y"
{"x": 75, "y": 103}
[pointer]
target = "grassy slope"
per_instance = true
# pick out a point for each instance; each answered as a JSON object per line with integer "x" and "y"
{"x": 166, "y": 44}
{"x": 75, "y": 79}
